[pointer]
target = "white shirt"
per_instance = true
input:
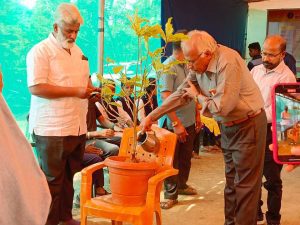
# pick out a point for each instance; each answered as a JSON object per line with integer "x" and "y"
{"x": 24, "y": 193}
{"x": 48, "y": 62}
{"x": 266, "y": 80}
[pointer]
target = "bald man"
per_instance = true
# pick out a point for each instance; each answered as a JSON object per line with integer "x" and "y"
{"x": 272, "y": 71}
{"x": 220, "y": 81}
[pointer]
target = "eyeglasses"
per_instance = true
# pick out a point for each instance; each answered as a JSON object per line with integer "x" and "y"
{"x": 264, "y": 54}
{"x": 195, "y": 60}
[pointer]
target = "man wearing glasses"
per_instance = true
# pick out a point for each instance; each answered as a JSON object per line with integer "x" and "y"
{"x": 221, "y": 82}
{"x": 272, "y": 71}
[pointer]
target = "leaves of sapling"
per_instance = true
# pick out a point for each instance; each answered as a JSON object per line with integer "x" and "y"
{"x": 168, "y": 30}
{"x": 157, "y": 52}
{"x": 109, "y": 60}
{"x": 136, "y": 23}
{"x": 117, "y": 69}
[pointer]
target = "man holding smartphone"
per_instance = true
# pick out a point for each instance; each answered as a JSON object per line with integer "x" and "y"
{"x": 271, "y": 72}
{"x": 58, "y": 79}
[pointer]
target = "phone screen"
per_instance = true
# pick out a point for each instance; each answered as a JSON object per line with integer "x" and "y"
{"x": 286, "y": 122}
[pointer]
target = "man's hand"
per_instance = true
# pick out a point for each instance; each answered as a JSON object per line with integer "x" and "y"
{"x": 146, "y": 124}
{"x": 181, "y": 133}
{"x": 102, "y": 133}
{"x": 190, "y": 91}
{"x": 93, "y": 150}
{"x": 95, "y": 96}
{"x": 84, "y": 92}
{"x": 198, "y": 125}
{"x": 295, "y": 151}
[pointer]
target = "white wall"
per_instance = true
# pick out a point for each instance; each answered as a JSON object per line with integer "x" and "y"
{"x": 256, "y": 28}
{"x": 275, "y": 4}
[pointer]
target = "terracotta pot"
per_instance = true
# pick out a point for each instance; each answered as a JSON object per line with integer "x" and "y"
{"x": 129, "y": 180}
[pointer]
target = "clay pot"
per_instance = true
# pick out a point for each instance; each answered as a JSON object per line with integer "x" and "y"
{"x": 129, "y": 180}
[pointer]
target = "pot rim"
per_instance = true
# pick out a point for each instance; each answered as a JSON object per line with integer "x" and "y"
{"x": 120, "y": 162}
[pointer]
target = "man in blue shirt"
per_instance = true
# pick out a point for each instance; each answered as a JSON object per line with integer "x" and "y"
{"x": 182, "y": 123}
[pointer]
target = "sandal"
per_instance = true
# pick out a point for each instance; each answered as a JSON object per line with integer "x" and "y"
{"x": 187, "y": 191}
{"x": 169, "y": 203}
{"x": 195, "y": 155}
{"x": 101, "y": 191}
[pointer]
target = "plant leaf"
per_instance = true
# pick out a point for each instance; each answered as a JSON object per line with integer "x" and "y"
{"x": 117, "y": 69}
{"x": 109, "y": 60}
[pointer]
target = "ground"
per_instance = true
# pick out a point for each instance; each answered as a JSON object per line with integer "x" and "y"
{"x": 206, "y": 208}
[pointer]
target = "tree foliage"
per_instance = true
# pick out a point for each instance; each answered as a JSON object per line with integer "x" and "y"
{"x": 22, "y": 28}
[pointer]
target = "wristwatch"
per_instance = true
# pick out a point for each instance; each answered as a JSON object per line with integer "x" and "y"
{"x": 174, "y": 124}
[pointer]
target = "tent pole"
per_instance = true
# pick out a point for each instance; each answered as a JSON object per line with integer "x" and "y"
{"x": 101, "y": 36}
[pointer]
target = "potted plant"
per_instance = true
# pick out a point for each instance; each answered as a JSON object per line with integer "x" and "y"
{"x": 126, "y": 170}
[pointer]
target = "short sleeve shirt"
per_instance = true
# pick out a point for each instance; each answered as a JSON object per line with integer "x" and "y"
{"x": 49, "y": 63}
{"x": 170, "y": 82}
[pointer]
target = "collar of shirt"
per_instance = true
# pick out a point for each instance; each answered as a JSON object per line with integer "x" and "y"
{"x": 53, "y": 40}
{"x": 279, "y": 69}
{"x": 212, "y": 66}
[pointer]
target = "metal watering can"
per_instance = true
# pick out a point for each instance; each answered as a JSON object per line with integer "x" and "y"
{"x": 148, "y": 141}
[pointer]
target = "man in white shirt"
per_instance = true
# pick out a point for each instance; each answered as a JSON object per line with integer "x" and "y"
{"x": 58, "y": 79}
{"x": 272, "y": 71}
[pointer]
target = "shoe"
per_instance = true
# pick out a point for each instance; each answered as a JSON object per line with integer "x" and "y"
{"x": 169, "y": 203}
{"x": 273, "y": 222}
{"x": 203, "y": 148}
{"x": 70, "y": 222}
{"x": 195, "y": 155}
{"x": 260, "y": 219}
{"x": 187, "y": 191}
{"x": 101, "y": 191}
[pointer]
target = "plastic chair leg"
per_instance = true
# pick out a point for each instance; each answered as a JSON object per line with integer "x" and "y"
{"x": 83, "y": 220}
{"x": 158, "y": 217}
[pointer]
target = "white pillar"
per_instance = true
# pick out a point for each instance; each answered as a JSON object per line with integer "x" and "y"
{"x": 101, "y": 35}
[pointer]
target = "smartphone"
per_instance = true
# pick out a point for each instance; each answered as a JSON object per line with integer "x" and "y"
{"x": 286, "y": 122}
{"x": 94, "y": 93}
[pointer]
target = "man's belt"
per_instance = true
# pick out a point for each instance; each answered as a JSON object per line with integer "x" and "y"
{"x": 235, "y": 122}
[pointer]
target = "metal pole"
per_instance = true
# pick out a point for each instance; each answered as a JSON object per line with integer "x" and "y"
{"x": 101, "y": 36}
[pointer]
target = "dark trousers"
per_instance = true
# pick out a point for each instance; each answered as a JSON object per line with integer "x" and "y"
{"x": 273, "y": 183}
{"x": 60, "y": 158}
{"x": 243, "y": 148}
{"x": 182, "y": 162}
{"x": 90, "y": 159}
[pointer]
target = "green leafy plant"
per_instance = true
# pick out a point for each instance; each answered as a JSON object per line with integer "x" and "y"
{"x": 147, "y": 61}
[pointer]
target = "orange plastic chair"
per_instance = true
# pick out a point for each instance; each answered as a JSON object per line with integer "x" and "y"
{"x": 103, "y": 206}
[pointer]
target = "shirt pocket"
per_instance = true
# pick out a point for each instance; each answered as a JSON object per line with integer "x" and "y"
{"x": 80, "y": 73}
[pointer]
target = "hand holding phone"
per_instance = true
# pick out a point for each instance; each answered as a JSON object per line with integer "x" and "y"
{"x": 286, "y": 123}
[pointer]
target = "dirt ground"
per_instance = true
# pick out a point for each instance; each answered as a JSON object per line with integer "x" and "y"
{"x": 206, "y": 208}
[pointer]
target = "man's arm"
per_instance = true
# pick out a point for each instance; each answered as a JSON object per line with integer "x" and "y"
{"x": 179, "y": 129}
{"x": 175, "y": 100}
{"x": 51, "y": 91}
{"x": 105, "y": 122}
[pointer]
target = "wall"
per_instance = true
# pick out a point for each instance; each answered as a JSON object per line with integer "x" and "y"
{"x": 256, "y": 28}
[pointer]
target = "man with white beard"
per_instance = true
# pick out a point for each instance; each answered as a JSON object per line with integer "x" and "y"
{"x": 58, "y": 79}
